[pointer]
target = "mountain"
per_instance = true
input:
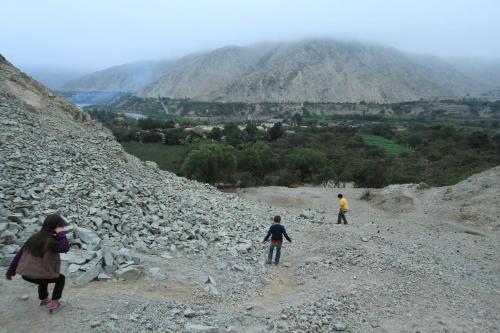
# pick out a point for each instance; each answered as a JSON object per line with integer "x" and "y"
{"x": 181, "y": 256}
{"x": 316, "y": 70}
{"x": 54, "y": 159}
{"x": 128, "y": 77}
{"x": 54, "y": 78}
{"x": 310, "y": 70}
{"x": 487, "y": 71}
{"x": 22, "y": 91}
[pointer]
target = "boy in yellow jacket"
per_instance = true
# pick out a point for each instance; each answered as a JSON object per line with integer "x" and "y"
{"x": 344, "y": 208}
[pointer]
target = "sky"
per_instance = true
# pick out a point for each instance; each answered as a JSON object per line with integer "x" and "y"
{"x": 96, "y": 34}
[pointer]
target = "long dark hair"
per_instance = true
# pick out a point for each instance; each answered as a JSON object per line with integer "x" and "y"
{"x": 42, "y": 241}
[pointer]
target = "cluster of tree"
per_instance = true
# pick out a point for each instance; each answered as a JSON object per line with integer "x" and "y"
{"x": 439, "y": 155}
{"x": 436, "y": 154}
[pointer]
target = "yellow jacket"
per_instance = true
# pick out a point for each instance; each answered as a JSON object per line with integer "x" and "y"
{"x": 344, "y": 205}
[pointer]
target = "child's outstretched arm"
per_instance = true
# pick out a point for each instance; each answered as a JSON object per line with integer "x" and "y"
{"x": 268, "y": 235}
{"x": 13, "y": 265}
{"x": 286, "y": 235}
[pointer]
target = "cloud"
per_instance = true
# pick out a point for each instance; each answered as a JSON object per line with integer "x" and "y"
{"x": 96, "y": 34}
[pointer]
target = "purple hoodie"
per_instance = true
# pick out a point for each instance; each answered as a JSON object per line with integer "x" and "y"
{"x": 63, "y": 248}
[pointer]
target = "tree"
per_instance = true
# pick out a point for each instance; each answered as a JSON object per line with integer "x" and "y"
{"x": 297, "y": 119}
{"x": 169, "y": 124}
{"x": 151, "y": 136}
{"x": 256, "y": 158}
{"x": 251, "y": 131}
{"x": 216, "y": 134}
{"x": 414, "y": 140}
{"x": 174, "y": 136}
{"x": 276, "y": 132}
{"x": 149, "y": 123}
{"x": 233, "y": 135}
{"x": 478, "y": 139}
{"x": 210, "y": 163}
{"x": 306, "y": 161}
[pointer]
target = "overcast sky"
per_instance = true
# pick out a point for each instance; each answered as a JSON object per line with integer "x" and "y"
{"x": 94, "y": 34}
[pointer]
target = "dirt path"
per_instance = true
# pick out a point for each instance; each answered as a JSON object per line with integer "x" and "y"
{"x": 384, "y": 272}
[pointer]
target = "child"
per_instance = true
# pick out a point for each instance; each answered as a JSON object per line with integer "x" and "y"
{"x": 277, "y": 231}
{"x": 344, "y": 208}
{"x": 39, "y": 261}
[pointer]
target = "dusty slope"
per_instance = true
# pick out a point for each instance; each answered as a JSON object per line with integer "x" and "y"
{"x": 23, "y": 91}
{"x": 413, "y": 273}
{"x": 310, "y": 70}
{"x": 128, "y": 77}
{"x": 384, "y": 272}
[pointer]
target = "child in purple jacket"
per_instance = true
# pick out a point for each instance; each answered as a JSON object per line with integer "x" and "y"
{"x": 39, "y": 261}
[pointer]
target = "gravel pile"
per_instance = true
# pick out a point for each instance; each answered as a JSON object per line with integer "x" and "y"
{"x": 59, "y": 161}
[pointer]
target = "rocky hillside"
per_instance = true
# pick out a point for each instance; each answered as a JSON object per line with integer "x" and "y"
{"x": 56, "y": 160}
{"x": 27, "y": 94}
{"x": 312, "y": 70}
{"x": 487, "y": 71}
{"x": 315, "y": 70}
{"x": 179, "y": 256}
{"x": 475, "y": 200}
{"x": 472, "y": 202}
{"x": 128, "y": 77}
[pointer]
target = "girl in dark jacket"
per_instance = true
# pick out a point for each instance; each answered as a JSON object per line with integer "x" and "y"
{"x": 39, "y": 261}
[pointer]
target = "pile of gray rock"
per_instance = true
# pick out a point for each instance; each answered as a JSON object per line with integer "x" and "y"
{"x": 99, "y": 260}
{"x": 113, "y": 201}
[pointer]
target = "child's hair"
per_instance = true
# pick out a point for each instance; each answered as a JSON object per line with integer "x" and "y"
{"x": 41, "y": 242}
{"x": 340, "y": 196}
{"x": 277, "y": 219}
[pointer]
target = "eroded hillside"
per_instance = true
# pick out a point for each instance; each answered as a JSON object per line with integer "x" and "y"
{"x": 155, "y": 252}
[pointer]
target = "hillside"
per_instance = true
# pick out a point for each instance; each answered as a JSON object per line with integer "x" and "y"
{"x": 54, "y": 78}
{"x": 487, "y": 71}
{"x": 128, "y": 77}
{"x": 48, "y": 143}
{"x": 315, "y": 70}
{"x": 153, "y": 252}
{"x": 22, "y": 91}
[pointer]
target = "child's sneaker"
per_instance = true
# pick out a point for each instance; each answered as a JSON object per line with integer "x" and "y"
{"x": 45, "y": 301}
{"x": 53, "y": 308}
{"x": 269, "y": 262}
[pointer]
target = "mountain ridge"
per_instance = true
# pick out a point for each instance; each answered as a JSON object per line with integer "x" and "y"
{"x": 316, "y": 70}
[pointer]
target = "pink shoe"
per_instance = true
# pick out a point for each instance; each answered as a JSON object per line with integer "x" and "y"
{"x": 53, "y": 308}
{"x": 45, "y": 301}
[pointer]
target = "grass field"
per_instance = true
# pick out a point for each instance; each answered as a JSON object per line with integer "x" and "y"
{"x": 390, "y": 148}
{"x": 168, "y": 157}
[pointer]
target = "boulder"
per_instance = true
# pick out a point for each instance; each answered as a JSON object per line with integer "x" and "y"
{"x": 91, "y": 273}
{"x": 107, "y": 255}
{"x": 87, "y": 236}
{"x": 130, "y": 273}
{"x": 189, "y": 327}
{"x": 157, "y": 274}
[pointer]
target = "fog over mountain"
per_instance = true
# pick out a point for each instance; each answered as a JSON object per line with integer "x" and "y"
{"x": 128, "y": 77}
{"x": 54, "y": 78}
{"x": 306, "y": 70}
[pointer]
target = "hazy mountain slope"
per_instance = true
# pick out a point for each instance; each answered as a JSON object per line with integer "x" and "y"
{"x": 54, "y": 78}
{"x": 487, "y": 71}
{"x": 128, "y": 77}
{"x": 205, "y": 74}
{"x": 312, "y": 70}
{"x": 181, "y": 256}
{"x": 23, "y": 91}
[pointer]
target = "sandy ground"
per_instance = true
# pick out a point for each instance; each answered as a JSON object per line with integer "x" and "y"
{"x": 400, "y": 272}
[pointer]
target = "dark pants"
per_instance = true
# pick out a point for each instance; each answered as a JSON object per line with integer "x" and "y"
{"x": 341, "y": 217}
{"x": 278, "y": 252}
{"x": 43, "y": 285}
